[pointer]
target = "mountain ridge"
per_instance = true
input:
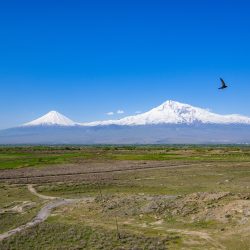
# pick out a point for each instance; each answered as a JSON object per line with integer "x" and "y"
{"x": 172, "y": 112}
{"x": 169, "y": 112}
{"x": 169, "y": 123}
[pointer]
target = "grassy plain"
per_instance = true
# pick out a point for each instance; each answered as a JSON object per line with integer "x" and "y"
{"x": 21, "y": 157}
{"x": 144, "y": 197}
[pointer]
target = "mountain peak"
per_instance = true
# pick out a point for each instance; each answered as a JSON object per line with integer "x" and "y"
{"x": 51, "y": 118}
{"x": 173, "y": 105}
{"x": 171, "y": 102}
{"x": 173, "y": 112}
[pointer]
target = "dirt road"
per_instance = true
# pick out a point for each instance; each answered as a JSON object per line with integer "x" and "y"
{"x": 55, "y": 202}
{"x": 44, "y": 213}
{"x": 40, "y": 217}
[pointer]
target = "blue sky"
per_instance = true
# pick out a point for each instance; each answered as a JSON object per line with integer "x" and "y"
{"x": 87, "y": 58}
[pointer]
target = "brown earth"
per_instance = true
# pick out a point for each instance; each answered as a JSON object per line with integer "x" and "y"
{"x": 87, "y": 170}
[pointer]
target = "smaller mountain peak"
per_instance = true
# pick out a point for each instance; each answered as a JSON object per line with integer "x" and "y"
{"x": 51, "y": 118}
{"x": 54, "y": 113}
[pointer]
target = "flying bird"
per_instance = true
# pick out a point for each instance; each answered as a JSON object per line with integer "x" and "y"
{"x": 223, "y": 84}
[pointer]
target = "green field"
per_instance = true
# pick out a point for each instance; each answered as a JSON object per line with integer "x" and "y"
{"x": 21, "y": 157}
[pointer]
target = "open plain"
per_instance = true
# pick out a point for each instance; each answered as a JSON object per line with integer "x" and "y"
{"x": 117, "y": 197}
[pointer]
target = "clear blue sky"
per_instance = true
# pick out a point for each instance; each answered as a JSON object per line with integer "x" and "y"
{"x": 87, "y": 58}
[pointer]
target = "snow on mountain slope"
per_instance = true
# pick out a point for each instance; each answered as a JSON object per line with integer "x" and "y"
{"x": 171, "y": 112}
{"x": 51, "y": 119}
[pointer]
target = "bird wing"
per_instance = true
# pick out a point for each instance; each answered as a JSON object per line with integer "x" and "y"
{"x": 223, "y": 83}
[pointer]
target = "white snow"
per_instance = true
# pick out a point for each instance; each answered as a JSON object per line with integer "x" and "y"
{"x": 172, "y": 112}
{"x": 51, "y": 119}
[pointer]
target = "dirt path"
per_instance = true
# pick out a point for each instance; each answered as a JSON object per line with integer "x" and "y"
{"x": 40, "y": 217}
{"x": 44, "y": 197}
{"x": 44, "y": 213}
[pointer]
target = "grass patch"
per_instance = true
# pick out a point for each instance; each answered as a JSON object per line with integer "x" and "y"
{"x": 10, "y": 220}
{"x": 14, "y": 196}
{"x": 15, "y": 193}
{"x": 19, "y": 157}
{"x": 56, "y": 235}
{"x": 219, "y": 177}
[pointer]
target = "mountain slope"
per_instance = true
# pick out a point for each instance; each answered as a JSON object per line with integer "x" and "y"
{"x": 53, "y": 118}
{"x": 171, "y": 112}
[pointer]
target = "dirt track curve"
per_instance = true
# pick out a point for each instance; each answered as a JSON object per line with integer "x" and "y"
{"x": 44, "y": 213}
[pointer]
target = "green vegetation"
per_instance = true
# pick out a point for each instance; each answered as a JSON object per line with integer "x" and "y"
{"x": 26, "y": 156}
{"x": 12, "y": 193}
{"x": 56, "y": 235}
{"x": 176, "y": 197}
{"x": 11, "y": 220}
{"x": 20, "y": 157}
{"x": 209, "y": 177}
{"x": 17, "y": 206}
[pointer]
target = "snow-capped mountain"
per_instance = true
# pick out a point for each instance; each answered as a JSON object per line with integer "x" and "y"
{"x": 171, "y": 122}
{"x": 53, "y": 118}
{"x": 171, "y": 112}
